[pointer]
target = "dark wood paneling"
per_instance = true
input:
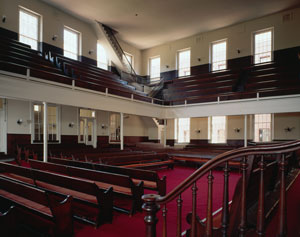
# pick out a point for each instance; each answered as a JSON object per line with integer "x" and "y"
{"x": 135, "y": 139}
{"x": 154, "y": 140}
{"x": 102, "y": 140}
{"x": 204, "y": 68}
{"x": 238, "y": 63}
{"x": 69, "y": 139}
{"x": 199, "y": 141}
{"x": 8, "y": 33}
{"x": 170, "y": 142}
{"x": 88, "y": 60}
{"x": 17, "y": 139}
{"x": 169, "y": 75}
{"x": 48, "y": 47}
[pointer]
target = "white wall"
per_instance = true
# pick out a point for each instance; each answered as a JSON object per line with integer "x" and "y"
{"x": 69, "y": 115}
{"x": 238, "y": 36}
{"x": 17, "y": 109}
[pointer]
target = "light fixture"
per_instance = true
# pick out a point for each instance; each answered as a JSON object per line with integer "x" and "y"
{"x": 3, "y": 18}
{"x": 167, "y": 66}
{"x": 288, "y": 129}
{"x": 91, "y": 52}
{"x": 238, "y": 51}
{"x": 198, "y": 131}
{"x": 199, "y": 59}
{"x": 19, "y": 121}
{"x": 71, "y": 125}
{"x": 54, "y": 37}
{"x": 237, "y": 130}
{"x": 103, "y": 126}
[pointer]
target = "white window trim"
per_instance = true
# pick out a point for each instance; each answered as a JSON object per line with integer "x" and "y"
{"x": 272, "y": 128}
{"x": 79, "y": 46}
{"x": 211, "y": 54}
{"x": 132, "y": 58}
{"x": 210, "y": 130}
{"x": 58, "y": 122}
{"x": 177, "y": 59}
{"x": 177, "y": 133}
{"x": 253, "y": 44}
{"x": 149, "y": 69}
{"x": 40, "y": 25}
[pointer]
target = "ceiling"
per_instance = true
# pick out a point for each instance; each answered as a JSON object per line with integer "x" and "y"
{"x": 147, "y": 23}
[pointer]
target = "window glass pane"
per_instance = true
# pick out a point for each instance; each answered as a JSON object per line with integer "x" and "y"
{"x": 219, "y": 56}
{"x": 29, "y": 28}
{"x": 71, "y": 44}
{"x": 101, "y": 57}
{"x": 218, "y": 129}
{"x": 155, "y": 68}
{"x": 184, "y": 68}
{"x": 183, "y": 130}
{"x": 263, "y": 47}
{"x": 114, "y": 127}
{"x": 262, "y": 128}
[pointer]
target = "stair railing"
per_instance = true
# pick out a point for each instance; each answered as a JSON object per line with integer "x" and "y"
{"x": 245, "y": 158}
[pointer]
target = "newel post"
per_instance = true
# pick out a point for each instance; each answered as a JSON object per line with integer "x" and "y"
{"x": 150, "y": 208}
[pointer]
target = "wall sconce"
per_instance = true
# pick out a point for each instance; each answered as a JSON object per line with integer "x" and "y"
{"x": 288, "y": 129}
{"x": 237, "y": 130}
{"x": 103, "y": 126}
{"x": 3, "y": 18}
{"x": 54, "y": 37}
{"x": 198, "y": 131}
{"x": 167, "y": 66}
{"x": 238, "y": 51}
{"x": 91, "y": 52}
{"x": 19, "y": 121}
{"x": 71, "y": 125}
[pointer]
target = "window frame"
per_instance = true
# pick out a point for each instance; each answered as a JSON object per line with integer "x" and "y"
{"x": 58, "y": 124}
{"x": 253, "y": 44}
{"x": 99, "y": 63}
{"x": 176, "y": 131}
{"x": 178, "y": 61}
{"x": 211, "y": 54}
{"x": 39, "y": 26}
{"x": 130, "y": 56}
{"x": 210, "y": 132}
{"x": 271, "y": 129}
{"x": 154, "y": 79}
{"x": 67, "y": 28}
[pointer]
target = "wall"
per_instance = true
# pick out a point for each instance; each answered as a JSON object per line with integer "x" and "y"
{"x": 282, "y": 121}
{"x": 238, "y": 36}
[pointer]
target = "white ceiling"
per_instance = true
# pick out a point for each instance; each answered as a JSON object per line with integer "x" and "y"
{"x": 161, "y": 21}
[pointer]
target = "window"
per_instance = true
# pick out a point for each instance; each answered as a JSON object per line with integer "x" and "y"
{"x": 154, "y": 69}
{"x": 262, "y": 127}
{"x": 218, "y": 129}
{"x": 87, "y": 127}
{"x": 263, "y": 46}
{"x": 71, "y": 43}
{"x": 218, "y": 55}
{"x": 182, "y": 130}
{"x": 114, "y": 126}
{"x": 184, "y": 63}
{"x": 29, "y": 28}
{"x": 101, "y": 57}
{"x": 128, "y": 58}
{"x": 38, "y": 121}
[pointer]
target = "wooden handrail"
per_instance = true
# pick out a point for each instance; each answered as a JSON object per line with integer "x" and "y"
{"x": 155, "y": 200}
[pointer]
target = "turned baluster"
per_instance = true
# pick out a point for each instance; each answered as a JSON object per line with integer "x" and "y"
{"x": 209, "y": 226}
{"x": 282, "y": 227}
{"x": 261, "y": 200}
{"x": 225, "y": 211}
{"x": 179, "y": 216}
{"x": 164, "y": 214}
{"x": 151, "y": 208}
{"x": 243, "y": 223}
{"x": 194, "y": 207}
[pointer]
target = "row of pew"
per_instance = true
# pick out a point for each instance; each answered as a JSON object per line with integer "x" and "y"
{"x": 268, "y": 79}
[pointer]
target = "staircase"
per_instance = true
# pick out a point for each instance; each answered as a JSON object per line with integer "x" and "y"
{"x": 127, "y": 73}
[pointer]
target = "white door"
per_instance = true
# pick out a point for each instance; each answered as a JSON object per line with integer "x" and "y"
{"x": 86, "y": 131}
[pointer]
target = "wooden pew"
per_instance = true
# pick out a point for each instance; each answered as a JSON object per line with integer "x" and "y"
{"x": 150, "y": 178}
{"x": 38, "y": 209}
{"x": 91, "y": 203}
{"x": 123, "y": 185}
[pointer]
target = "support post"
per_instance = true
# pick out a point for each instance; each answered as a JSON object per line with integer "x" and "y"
{"x": 45, "y": 132}
{"x": 165, "y": 132}
{"x": 245, "y": 130}
{"x": 150, "y": 208}
{"x": 121, "y": 131}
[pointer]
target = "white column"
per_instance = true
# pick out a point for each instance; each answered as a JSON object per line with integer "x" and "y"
{"x": 45, "y": 132}
{"x": 165, "y": 132}
{"x": 122, "y": 131}
{"x": 245, "y": 130}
